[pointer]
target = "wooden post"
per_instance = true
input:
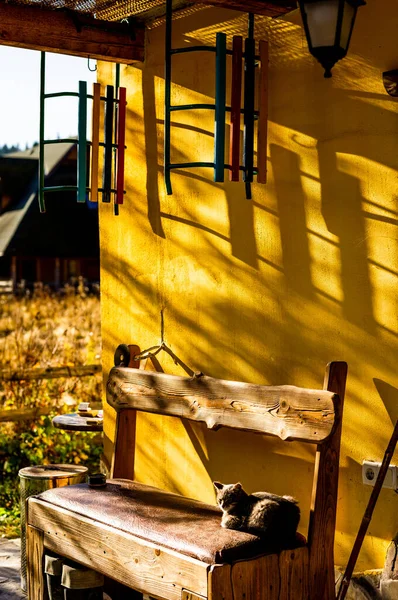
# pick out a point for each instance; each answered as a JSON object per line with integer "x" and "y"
{"x": 124, "y": 451}
{"x": 57, "y": 273}
{"x": 324, "y": 495}
{"x": 35, "y": 564}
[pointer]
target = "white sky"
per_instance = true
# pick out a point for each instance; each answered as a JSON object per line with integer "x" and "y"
{"x": 20, "y": 91}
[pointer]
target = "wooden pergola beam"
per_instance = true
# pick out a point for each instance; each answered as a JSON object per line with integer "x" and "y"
{"x": 269, "y": 8}
{"x": 68, "y": 32}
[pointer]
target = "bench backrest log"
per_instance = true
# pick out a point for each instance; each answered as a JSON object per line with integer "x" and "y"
{"x": 289, "y": 412}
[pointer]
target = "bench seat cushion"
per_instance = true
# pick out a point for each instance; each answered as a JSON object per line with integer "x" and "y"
{"x": 181, "y": 524}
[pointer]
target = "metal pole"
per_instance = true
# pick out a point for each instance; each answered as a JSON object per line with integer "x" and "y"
{"x": 167, "y": 95}
{"x": 368, "y": 514}
{"x": 42, "y": 205}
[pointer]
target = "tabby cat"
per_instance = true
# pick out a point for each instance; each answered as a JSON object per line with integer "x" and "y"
{"x": 275, "y": 518}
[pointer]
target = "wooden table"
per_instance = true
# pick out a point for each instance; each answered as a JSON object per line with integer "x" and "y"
{"x": 75, "y": 422}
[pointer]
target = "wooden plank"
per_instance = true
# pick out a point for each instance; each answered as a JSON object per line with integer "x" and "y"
{"x": 49, "y": 373}
{"x": 35, "y": 564}
{"x": 236, "y": 92}
{"x": 220, "y": 583}
{"x": 324, "y": 496}
{"x": 268, "y": 8}
{"x": 293, "y": 568}
{"x": 288, "y": 412}
{"x": 132, "y": 561}
{"x": 257, "y": 578}
{"x": 68, "y": 32}
{"x": 262, "y": 131}
{"x": 95, "y": 141}
{"x": 24, "y": 414}
{"x": 76, "y": 422}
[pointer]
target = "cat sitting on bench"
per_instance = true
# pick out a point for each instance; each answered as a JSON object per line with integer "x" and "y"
{"x": 274, "y": 518}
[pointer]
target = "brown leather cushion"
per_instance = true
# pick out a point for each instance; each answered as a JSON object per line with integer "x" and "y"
{"x": 169, "y": 520}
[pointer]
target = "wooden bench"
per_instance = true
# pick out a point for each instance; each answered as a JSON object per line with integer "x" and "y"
{"x": 171, "y": 547}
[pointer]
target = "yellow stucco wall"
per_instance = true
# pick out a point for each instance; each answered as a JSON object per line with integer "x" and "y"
{"x": 267, "y": 290}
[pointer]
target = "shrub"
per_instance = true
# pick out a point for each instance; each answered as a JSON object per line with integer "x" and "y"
{"x": 45, "y": 330}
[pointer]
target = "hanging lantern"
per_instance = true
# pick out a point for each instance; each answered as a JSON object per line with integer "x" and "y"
{"x": 328, "y": 26}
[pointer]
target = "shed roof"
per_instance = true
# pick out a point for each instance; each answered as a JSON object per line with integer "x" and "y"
{"x": 25, "y": 176}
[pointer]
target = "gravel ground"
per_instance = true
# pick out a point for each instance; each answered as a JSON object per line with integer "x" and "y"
{"x": 10, "y": 561}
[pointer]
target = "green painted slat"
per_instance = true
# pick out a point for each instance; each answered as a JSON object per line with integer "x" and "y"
{"x": 42, "y": 205}
{"x": 82, "y": 143}
{"x": 219, "y": 128}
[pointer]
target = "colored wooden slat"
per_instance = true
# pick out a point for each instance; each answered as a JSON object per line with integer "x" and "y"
{"x": 248, "y": 143}
{"x": 121, "y": 139}
{"x": 236, "y": 91}
{"x": 95, "y": 141}
{"x": 262, "y": 134}
{"x": 82, "y": 143}
{"x": 107, "y": 172}
{"x": 219, "y": 126}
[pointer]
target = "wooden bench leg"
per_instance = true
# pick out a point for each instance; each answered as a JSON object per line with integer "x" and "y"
{"x": 219, "y": 583}
{"x": 35, "y": 568}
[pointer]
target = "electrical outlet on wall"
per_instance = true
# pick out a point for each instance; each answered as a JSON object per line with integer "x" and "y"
{"x": 370, "y": 471}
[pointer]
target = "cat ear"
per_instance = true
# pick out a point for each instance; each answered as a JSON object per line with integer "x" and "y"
{"x": 238, "y": 486}
{"x": 218, "y": 485}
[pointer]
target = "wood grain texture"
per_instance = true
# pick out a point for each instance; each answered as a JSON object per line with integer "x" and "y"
{"x": 220, "y": 584}
{"x": 288, "y": 412}
{"x": 259, "y": 7}
{"x": 69, "y": 33}
{"x": 124, "y": 449}
{"x": 123, "y": 456}
{"x": 75, "y": 422}
{"x": 324, "y": 496}
{"x": 293, "y": 569}
{"x": 35, "y": 564}
{"x": 132, "y": 561}
{"x": 257, "y": 578}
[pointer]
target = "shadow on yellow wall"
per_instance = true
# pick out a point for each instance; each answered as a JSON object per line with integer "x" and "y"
{"x": 272, "y": 289}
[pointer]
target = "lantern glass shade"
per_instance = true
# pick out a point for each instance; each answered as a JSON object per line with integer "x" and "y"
{"x": 328, "y": 26}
